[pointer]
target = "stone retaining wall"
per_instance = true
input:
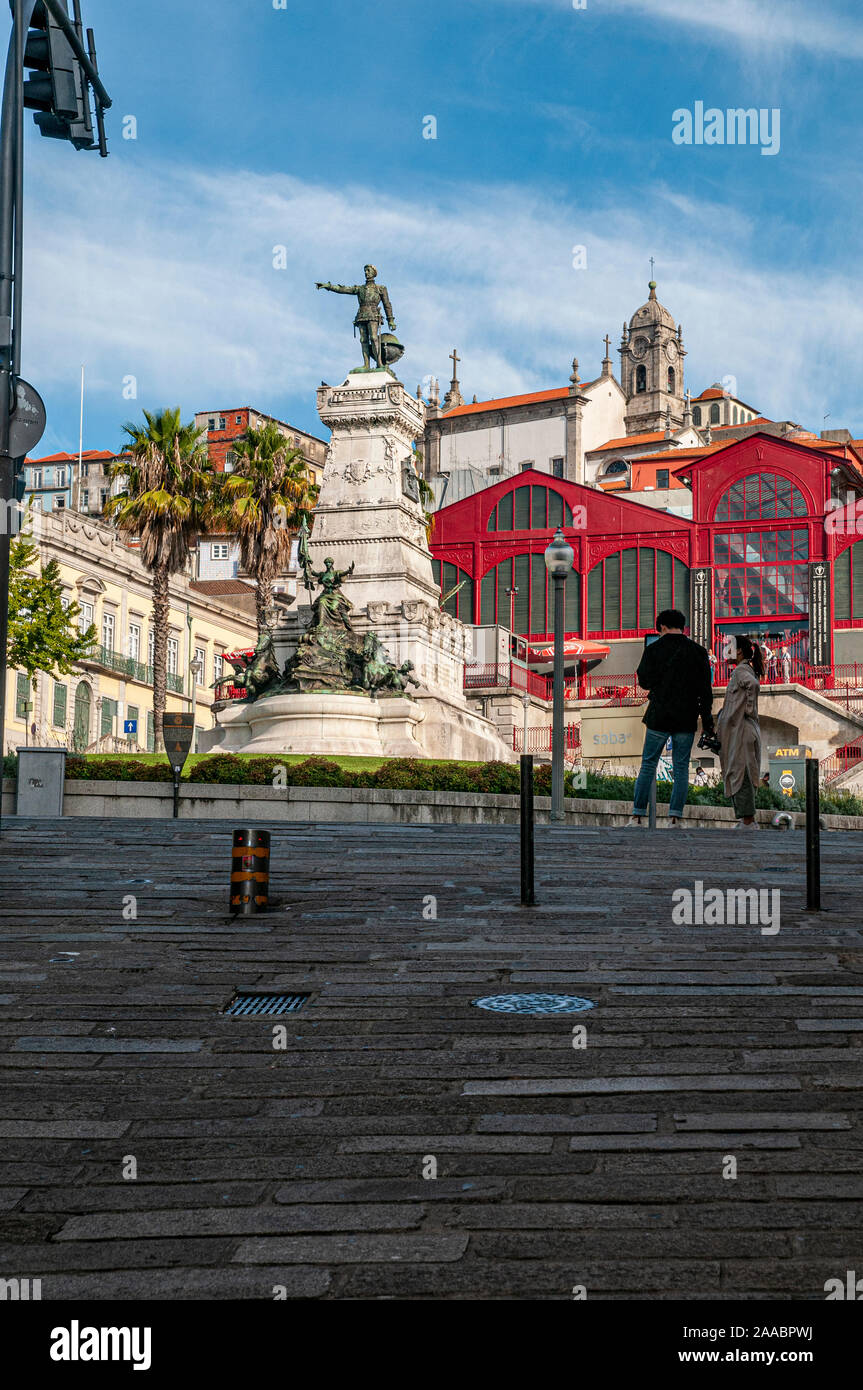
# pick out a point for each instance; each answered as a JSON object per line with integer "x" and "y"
{"x": 208, "y": 801}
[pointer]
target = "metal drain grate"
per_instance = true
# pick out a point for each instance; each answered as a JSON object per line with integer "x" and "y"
{"x": 534, "y": 1003}
{"x": 244, "y": 1005}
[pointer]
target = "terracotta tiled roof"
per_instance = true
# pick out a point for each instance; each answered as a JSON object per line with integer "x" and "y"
{"x": 627, "y": 441}
{"x": 89, "y": 455}
{"x": 559, "y": 393}
{"x": 758, "y": 420}
{"x": 682, "y": 455}
{"x": 713, "y": 393}
{"x": 222, "y": 586}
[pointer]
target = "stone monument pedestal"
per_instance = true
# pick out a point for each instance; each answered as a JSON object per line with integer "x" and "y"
{"x": 369, "y": 516}
{"x": 323, "y": 722}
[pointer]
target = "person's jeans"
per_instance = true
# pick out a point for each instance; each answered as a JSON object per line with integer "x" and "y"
{"x": 681, "y": 747}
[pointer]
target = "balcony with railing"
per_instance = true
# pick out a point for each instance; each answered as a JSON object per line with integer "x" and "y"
{"x": 119, "y": 665}
{"x": 617, "y": 689}
{"x": 506, "y": 675}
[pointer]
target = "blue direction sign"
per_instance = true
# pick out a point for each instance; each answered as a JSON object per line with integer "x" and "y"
{"x": 130, "y": 726}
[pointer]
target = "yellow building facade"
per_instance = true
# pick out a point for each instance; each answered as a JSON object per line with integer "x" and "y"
{"x": 87, "y": 709}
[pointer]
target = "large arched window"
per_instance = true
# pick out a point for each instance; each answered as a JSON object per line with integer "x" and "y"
{"x": 714, "y": 413}
{"x": 627, "y": 590}
{"x": 533, "y": 606}
{"x": 640, "y": 379}
{"x": 530, "y": 509}
{"x": 456, "y": 588}
{"x": 848, "y": 583}
{"x": 760, "y": 497}
{"x": 734, "y": 416}
{"x": 696, "y": 415}
{"x": 761, "y": 573}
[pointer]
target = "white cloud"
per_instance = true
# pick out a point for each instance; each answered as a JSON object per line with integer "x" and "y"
{"x": 772, "y": 23}
{"x": 168, "y": 276}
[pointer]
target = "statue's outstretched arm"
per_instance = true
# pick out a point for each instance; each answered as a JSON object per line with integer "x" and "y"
{"x": 337, "y": 289}
{"x": 388, "y": 308}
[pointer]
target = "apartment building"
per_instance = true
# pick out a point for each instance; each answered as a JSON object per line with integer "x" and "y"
{"x": 89, "y": 708}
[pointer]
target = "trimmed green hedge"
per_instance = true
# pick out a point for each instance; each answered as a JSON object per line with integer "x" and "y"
{"x": 420, "y": 774}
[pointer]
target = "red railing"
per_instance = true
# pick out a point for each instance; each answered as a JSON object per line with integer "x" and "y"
{"x": 847, "y": 687}
{"x": 505, "y": 675}
{"x": 851, "y": 755}
{"x": 611, "y": 689}
{"x": 539, "y": 739}
{"x": 821, "y": 678}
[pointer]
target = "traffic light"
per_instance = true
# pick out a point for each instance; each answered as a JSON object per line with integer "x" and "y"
{"x": 59, "y": 92}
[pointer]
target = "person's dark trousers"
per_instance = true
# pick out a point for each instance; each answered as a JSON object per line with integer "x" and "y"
{"x": 744, "y": 800}
{"x": 681, "y": 748}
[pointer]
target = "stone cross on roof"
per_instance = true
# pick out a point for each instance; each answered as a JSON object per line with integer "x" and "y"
{"x": 453, "y": 397}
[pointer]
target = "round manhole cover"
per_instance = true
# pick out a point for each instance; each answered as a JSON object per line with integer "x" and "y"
{"x": 534, "y": 1003}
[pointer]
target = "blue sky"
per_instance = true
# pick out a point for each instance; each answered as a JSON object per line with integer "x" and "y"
{"x": 302, "y": 127}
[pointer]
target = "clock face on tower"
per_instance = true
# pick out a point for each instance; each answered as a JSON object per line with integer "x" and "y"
{"x": 671, "y": 351}
{"x": 639, "y": 347}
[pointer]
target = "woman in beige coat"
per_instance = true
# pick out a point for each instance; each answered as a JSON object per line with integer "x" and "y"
{"x": 739, "y": 732}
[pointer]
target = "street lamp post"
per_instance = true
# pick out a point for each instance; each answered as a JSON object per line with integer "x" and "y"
{"x": 558, "y": 561}
{"x": 196, "y": 669}
{"x": 512, "y": 593}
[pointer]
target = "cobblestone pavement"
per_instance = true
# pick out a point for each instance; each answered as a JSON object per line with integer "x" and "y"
{"x": 557, "y": 1165}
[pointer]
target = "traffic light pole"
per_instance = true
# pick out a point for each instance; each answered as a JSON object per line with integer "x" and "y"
{"x": 11, "y": 184}
{"x": 11, "y": 259}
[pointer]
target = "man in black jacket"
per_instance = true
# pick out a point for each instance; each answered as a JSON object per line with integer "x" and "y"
{"x": 676, "y": 672}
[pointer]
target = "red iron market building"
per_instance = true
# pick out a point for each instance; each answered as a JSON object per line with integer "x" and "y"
{"x": 774, "y": 548}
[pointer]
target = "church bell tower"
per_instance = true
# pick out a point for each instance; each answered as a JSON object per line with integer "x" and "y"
{"x": 651, "y": 368}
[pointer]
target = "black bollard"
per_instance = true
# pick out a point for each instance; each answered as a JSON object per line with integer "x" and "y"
{"x": 527, "y": 894}
{"x": 813, "y": 837}
{"x": 250, "y": 872}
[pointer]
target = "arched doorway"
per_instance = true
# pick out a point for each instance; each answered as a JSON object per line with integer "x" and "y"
{"x": 81, "y": 726}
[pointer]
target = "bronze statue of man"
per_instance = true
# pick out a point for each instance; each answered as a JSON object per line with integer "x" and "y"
{"x": 369, "y": 319}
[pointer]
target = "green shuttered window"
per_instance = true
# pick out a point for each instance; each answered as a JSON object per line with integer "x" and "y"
{"x": 848, "y": 582}
{"x": 58, "y": 717}
{"x": 627, "y": 590}
{"x": 530, "y": 509}
{"x": 458, "y": 585}
{"x": 533, "y": 611}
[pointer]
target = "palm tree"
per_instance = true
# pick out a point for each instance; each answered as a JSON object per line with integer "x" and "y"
{"x": 262, "y": 502}
{"x": 167, "y": 482}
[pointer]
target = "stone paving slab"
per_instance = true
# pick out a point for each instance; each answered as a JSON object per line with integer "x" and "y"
{"x": 308, "y": 1165}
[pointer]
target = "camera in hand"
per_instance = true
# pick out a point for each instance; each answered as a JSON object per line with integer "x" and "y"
{"x": 710, "y": 741}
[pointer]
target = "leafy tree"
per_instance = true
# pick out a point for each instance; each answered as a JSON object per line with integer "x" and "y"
{"x": 43, "y": 635}
{"x": 262, "y": 502}
{"x": 167, "y": 481}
